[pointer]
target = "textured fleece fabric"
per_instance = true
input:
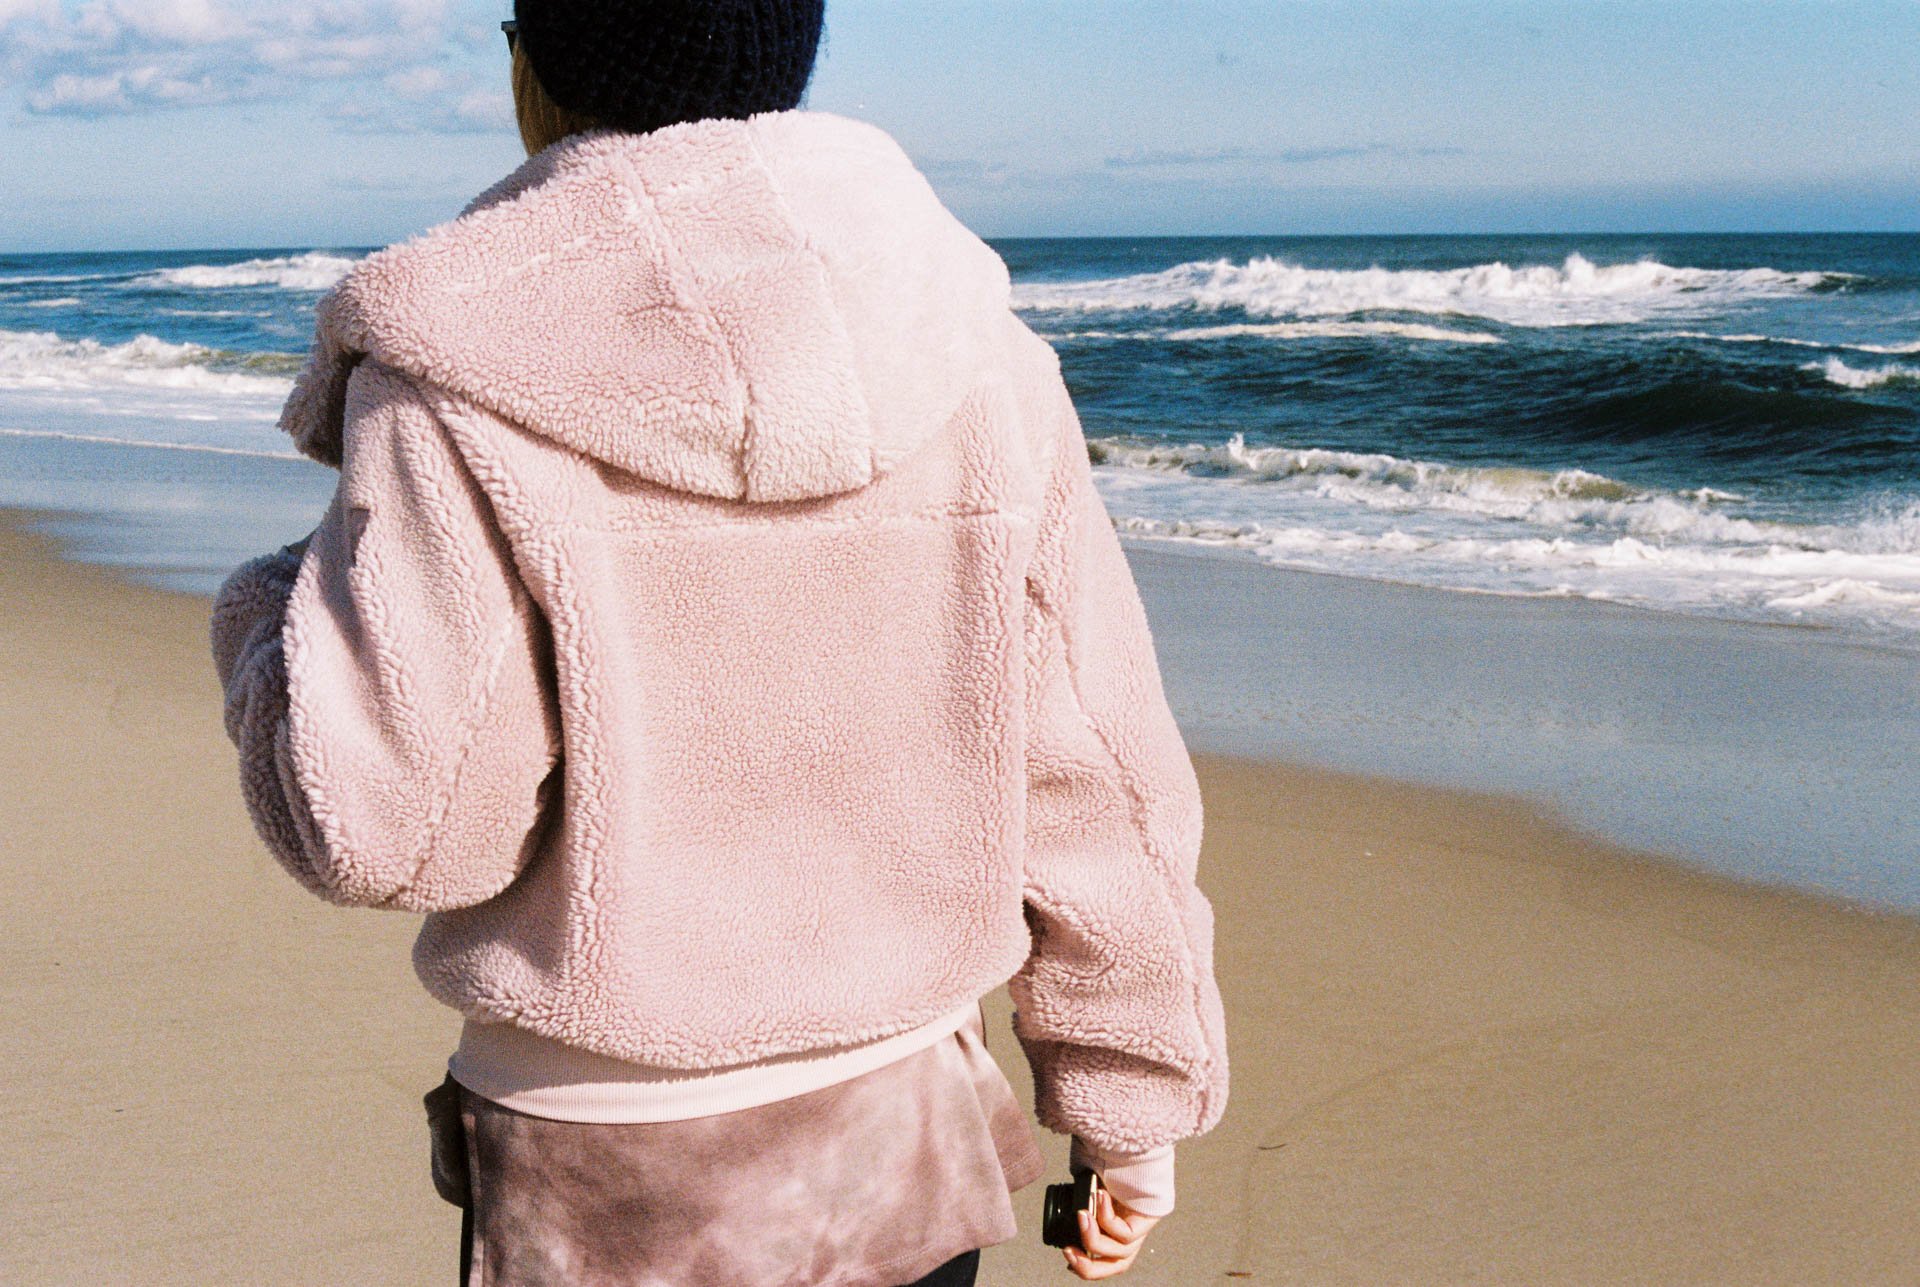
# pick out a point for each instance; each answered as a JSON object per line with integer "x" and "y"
{"x": 717, "y": 633}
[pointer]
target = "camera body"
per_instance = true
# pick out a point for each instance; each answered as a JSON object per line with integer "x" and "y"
{"x": 1060, "y": 1212}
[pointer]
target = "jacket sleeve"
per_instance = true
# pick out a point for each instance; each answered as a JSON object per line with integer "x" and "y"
{"x": 1116, "y": 1006}
{"x": 388, "y": 688}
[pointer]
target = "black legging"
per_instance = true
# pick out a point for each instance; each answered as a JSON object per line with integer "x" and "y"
{"x": 958, "y": 1272}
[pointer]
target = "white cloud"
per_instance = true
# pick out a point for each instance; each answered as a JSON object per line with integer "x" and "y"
{"x": 106, "y": 57}
{"x": 425, "y": 100}
{"x": 413, "y": 83}
{"x": 482, "y": 109}
{"x": 12, "y": 11}
{"x": 188, "y": 22}
{"x": 122, "y": 91}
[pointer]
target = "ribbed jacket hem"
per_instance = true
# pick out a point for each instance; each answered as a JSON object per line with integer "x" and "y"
{"x": 537, "y": 1075}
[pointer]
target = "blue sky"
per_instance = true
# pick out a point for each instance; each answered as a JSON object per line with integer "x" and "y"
{"x": 206, "y": 123}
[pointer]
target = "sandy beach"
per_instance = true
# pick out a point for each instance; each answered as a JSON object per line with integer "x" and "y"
{"x": 1470, "y": 1044}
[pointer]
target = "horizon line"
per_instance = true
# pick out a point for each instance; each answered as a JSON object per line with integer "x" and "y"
{"x": 311, "y": 247}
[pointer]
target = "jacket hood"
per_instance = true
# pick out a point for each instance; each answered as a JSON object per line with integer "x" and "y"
{"x": 765, "y": 309}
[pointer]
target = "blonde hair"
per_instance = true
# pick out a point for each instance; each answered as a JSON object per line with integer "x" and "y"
{"x": 542, "y": 121}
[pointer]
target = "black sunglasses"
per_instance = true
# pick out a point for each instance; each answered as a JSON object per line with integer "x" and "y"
{"x": 512, "y": 29}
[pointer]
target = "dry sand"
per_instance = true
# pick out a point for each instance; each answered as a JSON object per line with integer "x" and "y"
{"x": 1468, "y": 1044}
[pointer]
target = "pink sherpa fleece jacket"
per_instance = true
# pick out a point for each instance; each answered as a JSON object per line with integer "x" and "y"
{"x": 717, "y": 634}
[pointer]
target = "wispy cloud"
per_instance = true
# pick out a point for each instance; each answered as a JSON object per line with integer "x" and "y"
{"x": 428, "y": 100}
{"x": 1149, "y": 159}
{"x": 965, "y": 170}
{"x": 118, "y": 57}
{"x": 12, "y": 11}
{"x": 126, "y": 90}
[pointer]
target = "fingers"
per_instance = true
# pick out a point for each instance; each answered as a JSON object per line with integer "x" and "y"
{"x": 1127, "y": 1229}
{"x": 1096, "y": 1239}
{"x": 1110, "y": 1240}
{"x": 1092, "y": 1270}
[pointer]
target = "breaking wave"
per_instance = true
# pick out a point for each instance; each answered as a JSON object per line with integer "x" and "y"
{"x": 1577, "y": 292}
{"x": 43, "y": 360}
{"x": 1391, "y": 483}
{"x": 1514, "y": 530}
{"x": 312, "y": 271}
{"x": 1292, "y": 331}
{"x": 1850, "y": 377}
{"x": 1910, "y": 346}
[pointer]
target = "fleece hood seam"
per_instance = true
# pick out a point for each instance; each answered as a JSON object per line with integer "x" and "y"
{"x": 806, "y": 243}
{"x": 771, "y": 309}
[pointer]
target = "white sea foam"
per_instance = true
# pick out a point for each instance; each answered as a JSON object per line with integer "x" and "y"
{"x": 64, "y": 301}
{"x": 1575, "y": 293}
{"x": 1312, "y": 330}
{"x": 1911, "y": 346}
{"x": 312, "y": 271}
{"x": 43, "y": 360}
{"x": 1570, "y": 532}
{"x": 112, "y": 441}
{"x": 1847, "y": 592}
{"x": 1389, "y": 484}
{"x": 1849, "y": 377}
{"x": 31, "y": 279}
{"x": 1293, "y": 331}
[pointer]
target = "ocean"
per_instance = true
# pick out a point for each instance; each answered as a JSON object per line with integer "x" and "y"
{"x": 1727, "y": 426}
{"x": 1723, "y": 426}
{"x": 1626, "y": 525}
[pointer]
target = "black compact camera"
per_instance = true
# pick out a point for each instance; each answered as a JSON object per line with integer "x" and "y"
{"x": 1060, "y": 1216}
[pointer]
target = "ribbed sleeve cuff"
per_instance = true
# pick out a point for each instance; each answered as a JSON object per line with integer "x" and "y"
{"x": 1144, "y": 1181}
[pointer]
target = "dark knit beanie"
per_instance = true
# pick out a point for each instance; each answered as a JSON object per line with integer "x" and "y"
{"x": 640, "y": 64}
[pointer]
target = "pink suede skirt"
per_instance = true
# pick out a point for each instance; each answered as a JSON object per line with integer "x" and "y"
{"x": 873, "y": 1182}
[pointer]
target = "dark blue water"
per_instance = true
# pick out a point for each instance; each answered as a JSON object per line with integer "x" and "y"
{"x": 1716, "y": 425}
{"x": 1606, "y": 377}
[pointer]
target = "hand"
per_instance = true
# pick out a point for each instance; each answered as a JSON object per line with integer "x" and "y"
{"x": 1111, "y": 1239}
